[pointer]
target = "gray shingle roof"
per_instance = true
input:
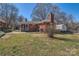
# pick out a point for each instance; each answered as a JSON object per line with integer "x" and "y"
{"x": 34, "y": 22}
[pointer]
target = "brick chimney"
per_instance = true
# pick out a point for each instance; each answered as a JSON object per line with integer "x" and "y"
{"x": 51, "y": 17}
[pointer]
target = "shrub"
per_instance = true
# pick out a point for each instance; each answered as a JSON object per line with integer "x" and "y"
{"x": 8, "y": 30}
{"x": 1, "y": 33}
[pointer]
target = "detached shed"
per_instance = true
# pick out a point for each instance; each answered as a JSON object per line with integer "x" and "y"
{"x": 61, "y": 27}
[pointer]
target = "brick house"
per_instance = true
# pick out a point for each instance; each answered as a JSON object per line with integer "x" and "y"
{"x": 37, "y": 26}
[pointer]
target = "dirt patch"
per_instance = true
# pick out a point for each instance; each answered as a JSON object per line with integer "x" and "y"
{"x": 17, "y": 32}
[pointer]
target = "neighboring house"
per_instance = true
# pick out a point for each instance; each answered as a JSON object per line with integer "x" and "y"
{"x": 2, "y": 24}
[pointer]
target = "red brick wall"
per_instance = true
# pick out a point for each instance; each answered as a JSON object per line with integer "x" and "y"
{"x": 31, "y": 27}
{"x": 35, "y": 27}
{"x": 43, "y": 27}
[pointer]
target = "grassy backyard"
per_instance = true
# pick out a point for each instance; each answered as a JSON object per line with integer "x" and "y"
{"x": 39, "y": 44}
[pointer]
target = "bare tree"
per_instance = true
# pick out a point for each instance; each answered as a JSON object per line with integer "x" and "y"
{"x": 66, "y": 19}
{"x": 21, "y": 18}
{"x": 13, "y": 16}
{"x": 70, "y": 22}
{"x": 8, "y": 12}
{"x": 42, "y": 9}
{"x": 40, "y": 12}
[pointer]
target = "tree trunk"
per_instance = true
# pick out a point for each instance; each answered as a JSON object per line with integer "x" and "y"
{"x": 51, "y": 30}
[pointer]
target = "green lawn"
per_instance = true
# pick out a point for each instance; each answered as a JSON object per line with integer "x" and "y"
{"x": 24, "y": 44}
